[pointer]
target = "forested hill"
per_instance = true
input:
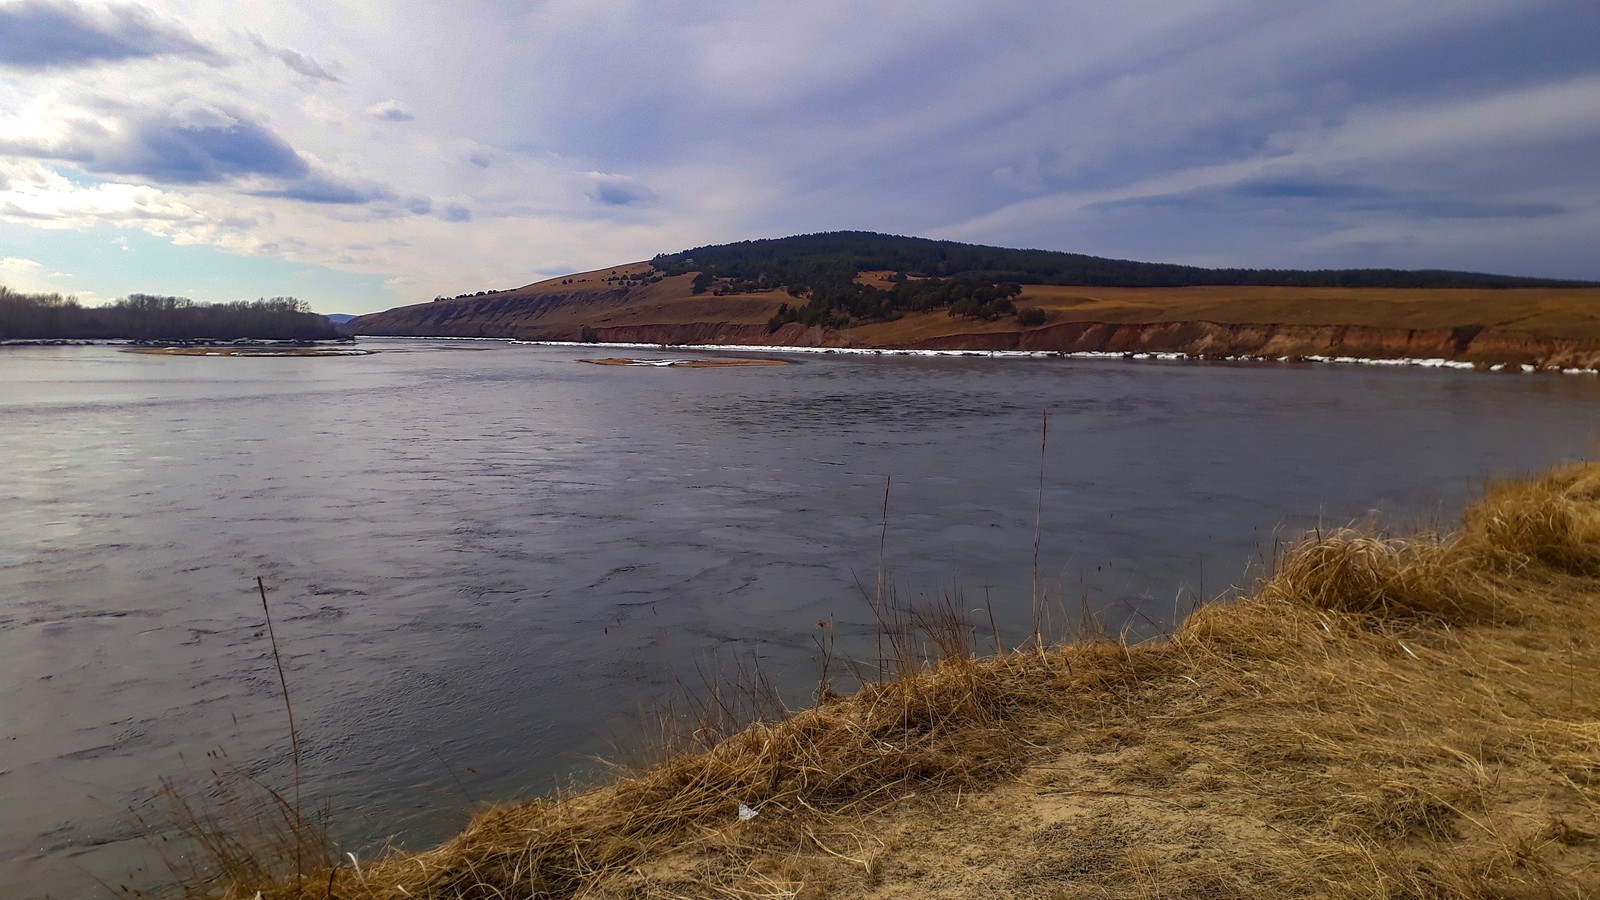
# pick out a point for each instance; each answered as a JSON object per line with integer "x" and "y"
{"x": 830, "y": 258}
{"x": 859, "y": 289}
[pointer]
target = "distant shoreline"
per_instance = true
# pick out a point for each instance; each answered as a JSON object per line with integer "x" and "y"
{"x": 1402, "y": 362}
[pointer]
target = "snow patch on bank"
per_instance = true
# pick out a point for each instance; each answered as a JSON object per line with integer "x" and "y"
{"x": 1434, "y": 363}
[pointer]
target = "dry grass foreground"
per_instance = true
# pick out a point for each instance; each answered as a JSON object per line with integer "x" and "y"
{"x": 1381, "y": 718}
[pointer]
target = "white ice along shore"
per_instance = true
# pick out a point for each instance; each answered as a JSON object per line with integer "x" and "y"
{"x": 1059, "y": 354}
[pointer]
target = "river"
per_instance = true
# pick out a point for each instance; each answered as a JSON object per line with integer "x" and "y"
{"x": 482, "y": 558}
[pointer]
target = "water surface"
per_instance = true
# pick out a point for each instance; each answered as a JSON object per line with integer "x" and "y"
{"x": 482, "y": 558}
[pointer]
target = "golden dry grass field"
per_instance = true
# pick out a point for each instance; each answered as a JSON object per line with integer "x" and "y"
{"x": 564, "y": 305}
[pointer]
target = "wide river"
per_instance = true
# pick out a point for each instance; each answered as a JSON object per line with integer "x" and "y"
{"x": 483, "y": 558}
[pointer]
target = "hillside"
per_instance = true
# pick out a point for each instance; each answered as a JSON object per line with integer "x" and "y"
{"x": 857, "y": 290}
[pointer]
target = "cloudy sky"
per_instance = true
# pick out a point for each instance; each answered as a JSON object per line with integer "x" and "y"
{"x": 365, "y": 155}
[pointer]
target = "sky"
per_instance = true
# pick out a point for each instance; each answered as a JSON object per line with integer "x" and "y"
{"x": 362, "y": 156}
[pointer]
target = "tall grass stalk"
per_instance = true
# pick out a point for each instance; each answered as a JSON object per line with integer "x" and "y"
{"x": 294, "y": 733}
{"x": 883, "y": 539}
{"x": 1038, "y": 530}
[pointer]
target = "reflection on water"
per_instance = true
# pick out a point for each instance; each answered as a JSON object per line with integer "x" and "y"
{"x": 482, "y": 558}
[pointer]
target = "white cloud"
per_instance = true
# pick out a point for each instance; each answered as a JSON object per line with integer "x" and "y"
{"x": 30, "y": 277}
{"x": 318, "y": 109}
{"x": 20, "y": 273}
{"x": 389, "y": 111}
{"x": 37, "y": 195}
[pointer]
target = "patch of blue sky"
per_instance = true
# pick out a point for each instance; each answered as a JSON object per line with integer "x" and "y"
{"x": 106, "y": 262}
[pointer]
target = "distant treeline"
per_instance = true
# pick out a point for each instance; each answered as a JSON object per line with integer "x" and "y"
{"x": 976, "y": 281}
{"x": 149, "y": 317}
{"x": 836, "y": 304}
{"x": 828, "y": 257}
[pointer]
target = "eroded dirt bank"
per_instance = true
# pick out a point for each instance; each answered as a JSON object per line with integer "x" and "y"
{"x": 1490, "y": 346}
{"x": 1198, "y": 339}
{"x": 1539, "y": 327}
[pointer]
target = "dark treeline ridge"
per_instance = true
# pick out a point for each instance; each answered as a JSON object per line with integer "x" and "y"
{"x": 974, "y": 280}
{"x": 834, "y": 304}
{"x": 150, "y": 317}
{"x": 814, "y": 258}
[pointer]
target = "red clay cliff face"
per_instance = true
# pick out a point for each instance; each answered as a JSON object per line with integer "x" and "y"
{"x": 1197, "y": 339}
{"x": 509, "y": 317}
{"x": 489, "y": 316}
{"x": 1210, "y": 339}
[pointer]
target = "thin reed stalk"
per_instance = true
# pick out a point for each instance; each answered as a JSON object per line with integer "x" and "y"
{"x": 294, "y": 733}
{"x": 883, "y": 539}
{"x": 1038, "y": 531}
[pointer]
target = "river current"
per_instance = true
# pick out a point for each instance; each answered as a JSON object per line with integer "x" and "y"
{"x": 482, "y": 558}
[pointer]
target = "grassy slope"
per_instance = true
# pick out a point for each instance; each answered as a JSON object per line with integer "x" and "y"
{"x": 1553, "y": 312}
{"x": 1572, "y": 313}
{"x": 1380, "y": 718}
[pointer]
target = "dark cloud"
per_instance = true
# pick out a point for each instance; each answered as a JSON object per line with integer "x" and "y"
{"x": 193, "y": 145}
{"x": 455, "y": 213}
{"x": 398, "y": 207}
{"x": 200, "y": 144}
{"x": 1308, "y": 189}
{"x": 1423, "y": 203}
{"x": 320, "y": 188}
{"x": 617, "y": 190}
{"x": 324, "y": 188}
{"x": 1310, "y": 199}
{"x": 206, "y": 146}
{"x": 295, "y": 60}
{"x": 38, "y": 34}
{"x": 1446, "y": 208}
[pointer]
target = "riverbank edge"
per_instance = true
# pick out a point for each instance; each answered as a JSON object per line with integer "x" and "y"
{"x": 1170, "y": 356}
{"x": 1468, "y": 344}
{"x": 1380, "y": 716}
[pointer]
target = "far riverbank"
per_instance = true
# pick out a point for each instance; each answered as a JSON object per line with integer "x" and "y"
{"x": 1422, "y": 363}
